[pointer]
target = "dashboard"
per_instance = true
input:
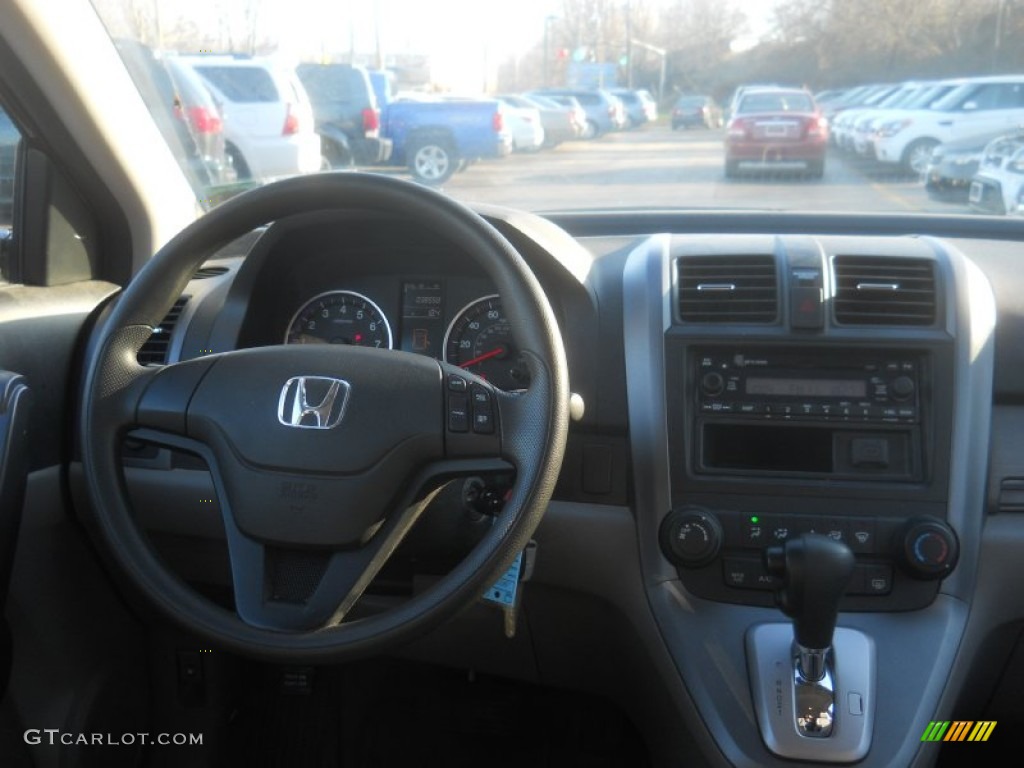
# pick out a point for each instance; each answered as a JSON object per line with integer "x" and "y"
{"x": 739, "y": 381}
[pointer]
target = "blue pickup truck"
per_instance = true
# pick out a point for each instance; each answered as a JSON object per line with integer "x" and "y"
{"x": 433, "y": 137}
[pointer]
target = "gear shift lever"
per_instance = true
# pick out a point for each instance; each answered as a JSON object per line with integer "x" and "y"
{"x": 815, "y": 571}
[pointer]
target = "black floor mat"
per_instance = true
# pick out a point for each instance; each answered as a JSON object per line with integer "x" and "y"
{"x": 388, "y": 714}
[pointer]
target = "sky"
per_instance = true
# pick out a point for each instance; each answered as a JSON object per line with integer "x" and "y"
{"x": 448, "y": 30}
{"x": 440, "y": 25}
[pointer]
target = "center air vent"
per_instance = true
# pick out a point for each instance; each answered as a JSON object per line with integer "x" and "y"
{"x": 884, "y": 291}
{"x": 727, "y": 289}
{"x": 206, "y": 272}
{"x": 154, "y": 351}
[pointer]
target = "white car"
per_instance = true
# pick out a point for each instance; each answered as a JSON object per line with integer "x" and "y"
{"x": 524, "y": 123}
{"x": 979, "y": 105}
{"x": 998, "y": 184}
{"x": 921, "y": 96}
{"x": 268, "y": 119}
{"x": 841, "y": 127}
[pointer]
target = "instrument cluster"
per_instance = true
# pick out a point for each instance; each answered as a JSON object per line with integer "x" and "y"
{"x": 477, "y": 336}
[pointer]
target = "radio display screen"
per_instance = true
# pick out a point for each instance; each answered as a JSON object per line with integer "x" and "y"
{"x": 853, "y": 388}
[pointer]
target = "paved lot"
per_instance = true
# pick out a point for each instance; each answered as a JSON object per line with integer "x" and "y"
{"x": 657, "y": 167}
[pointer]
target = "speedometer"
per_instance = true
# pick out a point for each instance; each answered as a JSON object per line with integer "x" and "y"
{"x": 340, "y": 317}
{"x": 480, "y": 340}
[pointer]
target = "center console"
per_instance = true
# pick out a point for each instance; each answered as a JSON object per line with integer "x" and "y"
{"x": 805, "y": 400}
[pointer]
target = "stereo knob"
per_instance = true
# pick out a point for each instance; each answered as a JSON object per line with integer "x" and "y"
{"x": 712, "y": 383}
{"x": 690, "y": 537}
{"x": 929, "y": 548}
{"x": 902, "y": 388}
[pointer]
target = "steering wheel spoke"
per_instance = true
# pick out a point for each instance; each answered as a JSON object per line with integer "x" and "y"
{"x": 282, "y": 588}
{"x": 163, "y": 404}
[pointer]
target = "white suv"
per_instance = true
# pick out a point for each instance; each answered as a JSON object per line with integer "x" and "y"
{"x": 978, "y": 106}
{"x": 268, "y": 119}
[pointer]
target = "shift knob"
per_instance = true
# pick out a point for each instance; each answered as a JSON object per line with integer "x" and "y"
{"x": 815, "y": 571}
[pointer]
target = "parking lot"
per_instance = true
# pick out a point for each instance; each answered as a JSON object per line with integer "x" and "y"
{"x": 657, "y": 167}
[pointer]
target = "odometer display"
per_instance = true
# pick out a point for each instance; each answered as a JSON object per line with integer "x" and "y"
{"x": 480, "y": 340}
{"x": 340, "y": 317}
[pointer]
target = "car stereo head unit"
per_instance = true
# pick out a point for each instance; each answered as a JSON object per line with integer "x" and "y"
{"x": 797, "y": 386}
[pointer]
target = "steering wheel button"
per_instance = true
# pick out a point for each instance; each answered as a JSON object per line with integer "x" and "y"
{"x": 456, "y": 383}
{"x": 458, "y": 413}
{"x": 483, "y": 421}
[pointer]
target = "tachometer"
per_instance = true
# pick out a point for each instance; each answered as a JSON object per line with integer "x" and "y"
{"x": 480, "y": 340}
{"x": 340, "y": 317}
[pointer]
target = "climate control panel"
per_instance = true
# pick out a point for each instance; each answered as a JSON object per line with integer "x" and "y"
{"x": 719, "y": 554}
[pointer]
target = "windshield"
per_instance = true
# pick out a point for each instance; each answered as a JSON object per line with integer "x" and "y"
{"x": 583, "y": 104}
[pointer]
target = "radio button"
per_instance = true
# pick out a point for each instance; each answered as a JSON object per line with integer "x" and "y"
{"x": 902, "y": 388}
{"x": 750, "y": 408}
{"x": 907, "y": 414}
{"x": 712, "y": 383}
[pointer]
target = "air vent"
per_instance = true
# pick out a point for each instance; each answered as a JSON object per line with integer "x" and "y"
{"x": 727, "y": 289}
{"x": 154, "y": 351}
{"x": 884, "y": 291}
{"x": 206, "y": 272}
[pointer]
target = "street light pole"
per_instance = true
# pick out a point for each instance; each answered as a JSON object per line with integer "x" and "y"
{"x": 546, "y": 25}
{"x": 663, "y": 53}
{"x": 629, "y": 44}
{"x": 547, "y": 48}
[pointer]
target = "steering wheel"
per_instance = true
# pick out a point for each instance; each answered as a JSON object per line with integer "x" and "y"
{"x": 322, "y": 455}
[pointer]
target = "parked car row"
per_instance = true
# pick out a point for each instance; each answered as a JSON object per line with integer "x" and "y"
{"x": 274, "y": 120}
{"x": 523, "y": 122}
{"x": 605, "y": 110}
{"x": 899, "y": 125}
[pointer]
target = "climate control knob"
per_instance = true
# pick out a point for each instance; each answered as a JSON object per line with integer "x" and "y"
{"x": 929, "y": 548}
{"x": 690, "y": 536}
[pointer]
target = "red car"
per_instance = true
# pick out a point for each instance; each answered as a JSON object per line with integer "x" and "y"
{"x": 776, "y": 129}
